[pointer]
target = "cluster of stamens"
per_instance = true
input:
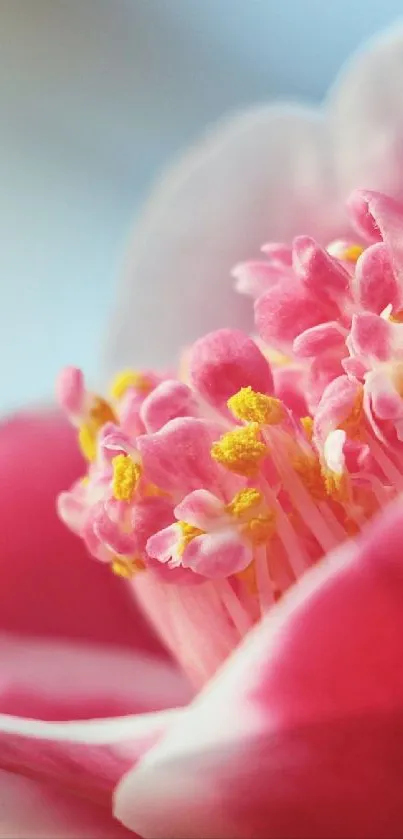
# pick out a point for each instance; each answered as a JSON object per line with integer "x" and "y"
{"x": 274, "y": 450}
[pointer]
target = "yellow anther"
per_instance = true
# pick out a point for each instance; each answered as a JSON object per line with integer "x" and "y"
{"x": 241, "y": 451}
{"x": 100, "y": 412}
{"x": 397, "y": 317}
{"x": 252, "y": 406}
{"x": 126, "y": 475}
{"x": 308, "y": 468}
{"x": 127, "y": 379}
{"x": 307, "y": 425}
{"x": 352, "y": 253}
{"x": 243, "y": 502}
{"x": 87, "y": 441}
{"x": 352, "y": 424}
{"x": 126, "y": 567}
{"x": 189, "y": 532}
{"x": 336, "y": 485}
{"x": 261, "y": 528}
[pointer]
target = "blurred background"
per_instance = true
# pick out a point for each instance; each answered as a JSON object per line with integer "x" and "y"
{"x": 96, "y": 96}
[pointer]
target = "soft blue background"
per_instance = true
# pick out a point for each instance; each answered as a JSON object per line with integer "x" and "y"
{"x": 95, "y": 97}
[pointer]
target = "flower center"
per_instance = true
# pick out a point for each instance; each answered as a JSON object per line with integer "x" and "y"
{"x": 214, "y": 498}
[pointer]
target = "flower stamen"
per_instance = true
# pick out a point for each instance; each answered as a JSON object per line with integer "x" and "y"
{"x": 189, "y": 532}
{"x": 251, "y": 406}
{"x": 126, "y": 567}
{"x": 240, "y": 451}
{"x": 130, "y": 379}
{"x": 126, "y": 476}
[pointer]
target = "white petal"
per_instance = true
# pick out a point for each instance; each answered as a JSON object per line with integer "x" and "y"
{"x": 366, "y": 117}
{"x": 264, "y": 175}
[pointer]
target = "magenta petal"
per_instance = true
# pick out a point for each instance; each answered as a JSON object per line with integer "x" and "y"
{"x": 301, "y": 733}
{"x": 59, "y": 680}
{"x": 43, "y": 566}
{"x": 88, "y": 758}
{"x": 36, "y": 810}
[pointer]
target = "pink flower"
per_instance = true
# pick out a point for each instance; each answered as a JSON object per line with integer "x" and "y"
{"x": 294, "y": 630}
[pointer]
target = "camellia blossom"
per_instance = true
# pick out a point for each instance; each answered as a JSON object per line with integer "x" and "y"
{"x": 251, "y": 501}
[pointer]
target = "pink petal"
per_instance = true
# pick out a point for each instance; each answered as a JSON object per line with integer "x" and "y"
{"x": 361, "y": 205}
{"x": 318, "y": 339}
{"x": 223, "y": 362}
{"x": 70, "y": 391}
{"x": 380, "y": 217}
{"x": 112, "y": 536}
{"x": 71, "y": 507}
{"x": 43, "y": 566}
{"x": 254, "y": 278}
{"x": 261, "y": 175}
{"x": 324, "y": 369}
{"x": 375, "y": 280}
{"x": 300, "y": 734}
{"x": 278, "y": 253}
{"x": 217, "y": 555}
{"x": 354, "y": 367}
{"x": 201, "y": 509}
{"x": 386, "y": 402}
{"x": 169, "y": 400}
{"x": 286, "y": 310}
{"x": 164, "y": 544}
{"x": 289, "y": 387}
{"x": 371, "y": 336}
{"x": 178, "y": 456}
{"x": 317, "y": 269}
{"x": 335, "y": 406}
{"x": 148, "y": 516}
{"x": 35, "y": 810}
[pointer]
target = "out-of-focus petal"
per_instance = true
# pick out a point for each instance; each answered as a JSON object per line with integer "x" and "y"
{"x": 269, "y": 173}
{"x": 49, "y": 583}
{"x": 60, "y": 680}
{"x": 34, "y": 810}
{"x": 262, "y": 174}
{"x": 365, "y": 117}
{"x": 301, "y": 733}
